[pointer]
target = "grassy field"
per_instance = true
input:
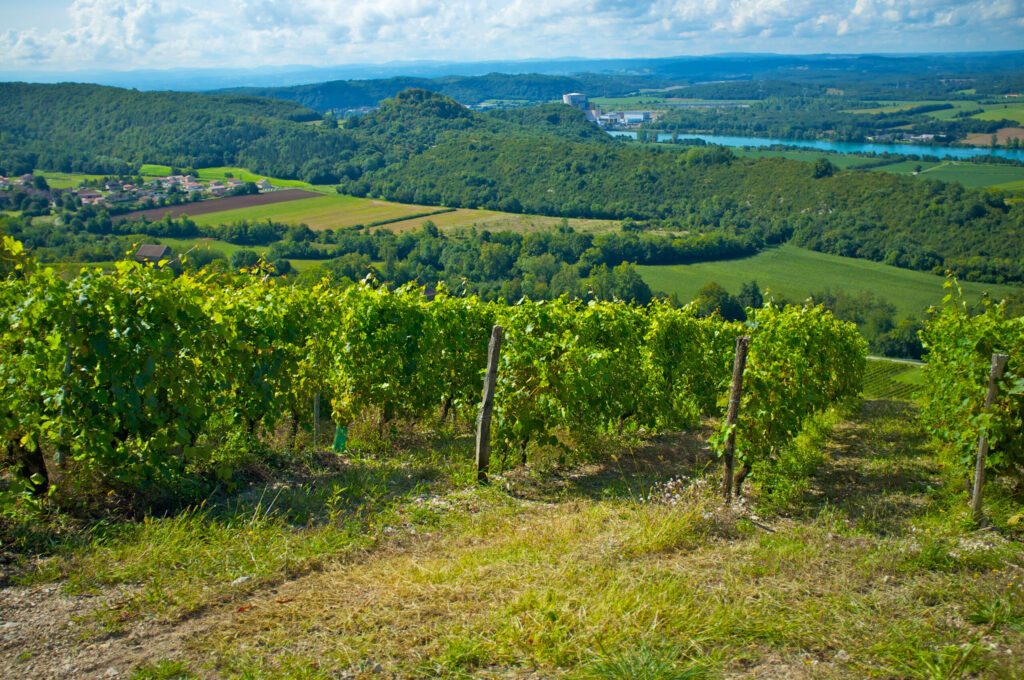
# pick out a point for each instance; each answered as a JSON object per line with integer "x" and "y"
{"x": 334, "y": 211}
{"x": 861, "y": 562}
{"x": 149, "y": 170}
{"x": 652, "y": 101}
{"x": 247, "y": 176}
{"x": 978, "y": 175}
{"x": 795, "y": 273}
{"x": 1014, "y": 111}
{"x": 990, "y": 110}
{"x": 840, "y": 160}
{"x": 499, "y": 221}
{"x": 323, "y": 212}
{"x": 65, "y": 180}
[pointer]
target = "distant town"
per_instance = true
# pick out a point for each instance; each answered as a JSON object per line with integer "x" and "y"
{"x": 150, "y": 192}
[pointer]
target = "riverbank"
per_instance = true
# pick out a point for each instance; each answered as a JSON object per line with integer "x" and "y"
{"x": 934, "y": 150}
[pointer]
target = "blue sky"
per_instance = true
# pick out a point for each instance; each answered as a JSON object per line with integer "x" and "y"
{"x": 129, "y": 34}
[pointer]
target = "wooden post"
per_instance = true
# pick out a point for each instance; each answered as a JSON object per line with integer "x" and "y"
{"x": 316, "y": 422}
{"x": 483, "y": 423}
{"x": 735, "y": 393}
{"x": 994, "y": 374}
{"x": 58, "y": 457}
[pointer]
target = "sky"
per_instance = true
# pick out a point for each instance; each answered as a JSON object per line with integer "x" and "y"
{"x": 70, "y": 35}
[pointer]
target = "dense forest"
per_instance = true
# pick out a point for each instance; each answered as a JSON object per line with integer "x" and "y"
{"x": 426, "y": 148}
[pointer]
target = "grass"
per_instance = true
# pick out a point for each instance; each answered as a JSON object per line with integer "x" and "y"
{"x": 795, "y": 273}
{"x": 247, "y": 176}
{"x": 150, "y": 170}
{"x": 840, "y": 160}
{"x": 66, "y": 180}
{"x": 323, "y": 212}
{"x": 1014, "y": 111}
{"x": 869, "y": 580}
{"x": 627, "y": 566}
{"x": 180, "y": 562}
{"x": 338, "y": 212}
{"x": 990, "y": 110}
{"x": 976, "y": 174}
{"x": 649, "y": 101}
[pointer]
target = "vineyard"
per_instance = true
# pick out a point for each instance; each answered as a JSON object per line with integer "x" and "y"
{"x": 851, "y": 556}
{"x": 884, "y": 379}
{"x": 960, "y": 348}
{"x": 131, "y": 379}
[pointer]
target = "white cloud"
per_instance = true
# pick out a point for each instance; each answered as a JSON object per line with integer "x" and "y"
{"x": 158, "y": 33}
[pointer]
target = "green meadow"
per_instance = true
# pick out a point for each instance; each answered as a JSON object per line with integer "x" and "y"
{"x": 975, "y": 175}
{"x": 1012, "y": 111}
{"x": 794, "y": 274}
{"x": 331, "y": 211}
{"x": 990, "y": 110}
{"x": 65, "y": 180}
{"x": 840, "y": 160}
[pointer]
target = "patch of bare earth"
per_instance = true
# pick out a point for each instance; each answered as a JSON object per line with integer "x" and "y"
{"x": 45, "y": 633}
{"x": 1003, "y": 136}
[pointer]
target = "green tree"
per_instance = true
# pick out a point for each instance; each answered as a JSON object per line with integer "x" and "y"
{"x": 243, "y": 259}
{"x": 713, "y": 298}
{"x": 823, "y": 168}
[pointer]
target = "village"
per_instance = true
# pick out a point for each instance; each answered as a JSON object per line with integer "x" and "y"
{"x": 124, "y": 193}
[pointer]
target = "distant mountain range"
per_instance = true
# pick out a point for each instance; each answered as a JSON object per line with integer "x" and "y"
{"x": 662, "y": 70}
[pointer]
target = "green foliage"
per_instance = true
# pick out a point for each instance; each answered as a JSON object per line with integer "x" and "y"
{"x": 138, "y": 377}
{"x": 959, "y": 347}
{"x": 801, "y": 361}
{"x": 424, "y": 148}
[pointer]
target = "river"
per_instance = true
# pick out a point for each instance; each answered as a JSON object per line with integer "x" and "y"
{"x": 843, "y": 147}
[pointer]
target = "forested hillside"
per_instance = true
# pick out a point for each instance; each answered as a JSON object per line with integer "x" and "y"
{"x": 712, "y": 77}
{"x": 426, "y": 148}
{"x": 346, "y": 94}
{"x": 908, "y": 223}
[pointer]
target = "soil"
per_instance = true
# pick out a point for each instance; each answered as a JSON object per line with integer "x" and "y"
{"x": 219, "y": 205}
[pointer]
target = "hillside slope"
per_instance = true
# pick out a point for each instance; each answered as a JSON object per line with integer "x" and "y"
{"x": 628, "y": 569}
{"x": 425, "y": 148}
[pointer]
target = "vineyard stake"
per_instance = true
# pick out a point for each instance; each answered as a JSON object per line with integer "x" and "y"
{"x": 483, "y": 423}
{"x": 316, "y": 421}
{"x": 995, "y": 373}
{"x": 735, "y": 393}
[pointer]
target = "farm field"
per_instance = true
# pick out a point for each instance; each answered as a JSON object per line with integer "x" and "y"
{"x": 990, "y": 111}
{"x": 338, "y": 212}
{"x": 247, "y": 176}
{"x": 491, "y": 220}
{"x": 840, "y": 160}
{"x": 657, "y": 101}
{"x": 65, "y": 180}
{"x": 976, "y": 175}
{"x": 253, "y": 202}
{"x": 886, "y": 379}
{"x": 319, "y": 212}
{"x": 794, "y": 273}
{"x": 1013, "y": 111}
{"x": 1003, "y": 136}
